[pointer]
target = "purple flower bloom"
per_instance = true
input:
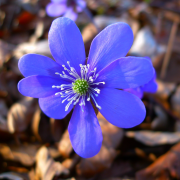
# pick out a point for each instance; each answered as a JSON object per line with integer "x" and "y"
{"x": 71, "y": 81}
{"x": 67, "y": 8}
{"x": 150, "y": 87}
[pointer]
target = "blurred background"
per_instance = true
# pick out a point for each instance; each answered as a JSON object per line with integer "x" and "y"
{"x": 34, "y": 146}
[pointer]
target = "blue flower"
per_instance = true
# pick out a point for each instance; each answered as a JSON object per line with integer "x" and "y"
{"x": 67, "y": 8}
{"x": 150, "y": 87}
{"x": 71, "y": 81}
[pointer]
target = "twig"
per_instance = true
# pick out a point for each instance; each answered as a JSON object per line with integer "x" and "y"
{"x": 168, "y": 53}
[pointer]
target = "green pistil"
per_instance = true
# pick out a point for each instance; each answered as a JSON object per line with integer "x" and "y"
{"x": 80, "y": 86}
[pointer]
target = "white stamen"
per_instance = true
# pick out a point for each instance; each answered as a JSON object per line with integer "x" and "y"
{"x": 88, "y": 99}
{"x": 77, "y": 100}
{"x": 95, "y": 102}
{"x": 80, "y": 87}
{"x": 98, "y": 83}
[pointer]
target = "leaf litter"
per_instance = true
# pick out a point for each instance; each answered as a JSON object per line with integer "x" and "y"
{"x": 33, "y": 146}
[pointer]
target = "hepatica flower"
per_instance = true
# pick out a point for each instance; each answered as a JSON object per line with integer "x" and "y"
{"x": 150, "y": 87}
{"x": 67, "y": 8}
{"x": 71, "y": 82}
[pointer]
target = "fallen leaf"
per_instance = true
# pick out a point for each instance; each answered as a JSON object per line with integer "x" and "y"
{"x": 71, "y": 163}
{"x": 46, "y": 167}
{"x": 25, "y": 17}
{"x": 24, "y": 153}
{"x": 165, "y": 166}
{"x": 3, "y": 124}
{"x": 40, "y": 47}
{"x": 88, "y": 33}
{"x": 3, "y": 108}
{"x": 91, "y": 166}
{"x": 164, "y": 89}
{"x": 175, "y": 101}
{"x": 41, "y": 126}
{"x": 10, "y": 176}
{"x": 5, "y": 52}
{"x": 8, "y": 84}
{"x": 20, "y": 114}
{"x": 4, "y": 130}
{"x": 154, "y": 138}
{"x": 64, "y": 146}
{"x": 117, "y": 169}
{"x": 57, "y": 129}
{"x": 161, "y": 121}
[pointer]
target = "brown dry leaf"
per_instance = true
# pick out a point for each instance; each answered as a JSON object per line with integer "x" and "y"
{"x": 10, "y": 176}
{"x": 161, "y": 121}
{"x": 88, "y": 33}
{"x": 165, "y": 166}
{"x": 103, "y": 5}
{"x": 57, "y": 129}
{"x": 3, "y": 108}
{"x": 46, "y": 129}
{"x": 175, "y": 101}
{"x": 38, "y": 31}
{"x": 31, "y": 174}
{"x": 20, "y": 114}
{"x": 64, "y": 146}
{"x": 24, "y": 153}
{"x": 71, "y": 163}
{"x": 91, "y": 166}
{"x": 151, "y": 138}
{"x": 3, "y": 124}
{"x": 117, "y": 169}
{"x": 46, "y": 167}
{"x": 41, "y": 126}
{"x": 112, "y": 137}
{"x": 4, "y": 130}
{"x": 40, "y": 47}
{"x": 35, "y": 123}
{"x": 164, "y": 89}
{"x": 5, "y": 52}
{"x": 8, "y": 85}
{"x": 53, "y": 151}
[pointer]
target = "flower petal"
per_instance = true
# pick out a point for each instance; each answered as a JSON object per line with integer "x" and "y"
{"x": 127, "y": 72}
{"x": 136, "y": 91}
{"x": 151, "y": 86}
{"x": 53, "y": 107}
{"x": 39, "y": 86}
{"x": 59, "y": 1}
{"x": 34, "y": 64}
{"x": 121, "y": 108}
{"x": 55, "y": 9}
{"x": 81, "y": 4}
{"x": 71, "y": 14}
{"x": 85, "y": 132}
{"x": 109, "y": 45}
{"x": 66, "y": 43}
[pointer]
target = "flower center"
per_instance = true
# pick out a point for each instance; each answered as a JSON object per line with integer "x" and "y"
{"x": 80, "y": 86}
